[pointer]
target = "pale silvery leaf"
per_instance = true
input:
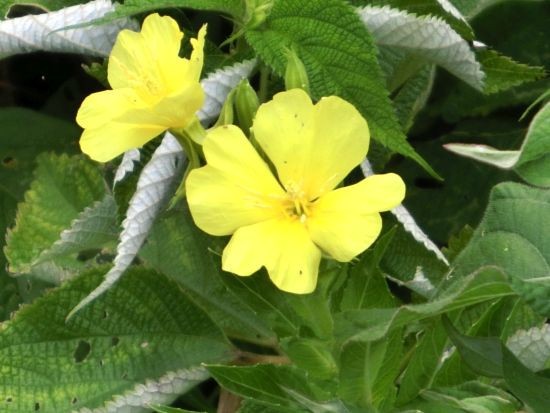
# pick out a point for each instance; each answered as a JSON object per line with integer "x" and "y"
{"x": 532, "y": 347}
{"x": 93, "y": 227}
{"x": 126, "y": 165}
{"x": 217, "y": 86}
{"x": 161, "y": 391}
{"x": 408, "y": 222}
{"x": 45, "y": 31}
{"x": 485, "y": 154}
{"x": 154, "y": 188}
{"x": 429, "y": 37}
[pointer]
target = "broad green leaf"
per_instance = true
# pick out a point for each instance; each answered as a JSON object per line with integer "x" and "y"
{"x": 94, "y": 227}
{"x": 372, "y": 324}
{"x": 412, "y": 97}
{"x": 155, "y": 186}
{"x": 471, "y": 8}
{"x": 234, "y": 8}
{"x": 410, "y": 264}
{"x": 274, "y": 386}
{"x": 311, "y": 355}
{"x": 63, "y": 187}
{"x": 510, "y": 237}
{"x": 177, "y": 248}
{"x": 340, "y": 59}
{"x": 143, "y": 338}
{"x": 503, "y": 72}
{"x": 490, "y": 357}
{"x": 532, "y": 347}
{"x": 44, "y": 31}
{"x": 423, "y": 364}
{"x": 429, "y": 38}
{"x": 369, "y": 370}
{"x": 531, "y": 161}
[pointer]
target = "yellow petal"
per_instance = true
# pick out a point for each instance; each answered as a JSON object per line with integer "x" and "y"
{"x": 140, "y": 58}
{"x": 236, "y": 187}
{"x": 345, "y": 222}
{"x": 102, "y": 107}
{"x": 197, "y": 55}
{"x": 113, "y": 138}
{"x": 282, "y": 246}
{"x": 312, "y": 147}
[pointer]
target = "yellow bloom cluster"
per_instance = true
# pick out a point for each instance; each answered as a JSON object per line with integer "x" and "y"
{"x": 285, "y": 223}
{"x": 283, "y": 215}
{"x": 153, "y": 90}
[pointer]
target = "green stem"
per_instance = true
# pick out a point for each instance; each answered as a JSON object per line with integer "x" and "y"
{"x": 264, "y": 82}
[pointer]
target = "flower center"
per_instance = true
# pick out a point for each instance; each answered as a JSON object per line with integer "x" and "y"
{"x": 296, "y": 204}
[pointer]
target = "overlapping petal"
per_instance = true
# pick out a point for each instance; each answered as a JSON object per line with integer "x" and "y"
{"x": 236, "y": 187}
{"x": 313, "y": 147}
{"x": 153, "y": 89}
{"x": 113, "y": 138}
{"x": 282, "y": 246}
{"x": 345, "y": 222}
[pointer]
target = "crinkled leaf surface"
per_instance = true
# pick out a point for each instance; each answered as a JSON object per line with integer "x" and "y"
{"x": 427, "y": 37}
{"x": 154, "y": 188}
{"x": 177, "y": 248}
{"x": 44, "y": 31}
{"x": 63, "y": 187}
{"x": 340, "y": 59}
{"x": 123, "y": 343}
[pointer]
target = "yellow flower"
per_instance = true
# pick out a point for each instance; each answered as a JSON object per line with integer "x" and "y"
{"x": 285, "y": 225}
{"x": 153, "y": 90}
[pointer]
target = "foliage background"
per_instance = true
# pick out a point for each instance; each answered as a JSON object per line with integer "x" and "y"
{"x": 401, "y": 329}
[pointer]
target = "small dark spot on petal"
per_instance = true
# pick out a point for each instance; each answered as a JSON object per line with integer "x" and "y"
{"x": 301, "y": 272}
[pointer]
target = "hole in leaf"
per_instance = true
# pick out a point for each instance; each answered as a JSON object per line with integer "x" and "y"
{"x": 9, "y": 399}
{"x": 74, "y": 400}
{"x": 9, "y": 162}
{"x": 82, "y": 351}
{"x": 36, "y": 406}
{"x": 105, "y": 315}
{"x": 115, "y": 341}
{"x": 101, "y": 363}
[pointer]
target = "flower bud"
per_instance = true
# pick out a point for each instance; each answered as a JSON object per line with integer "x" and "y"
{"x": 246, "y": 105}
{"x": 226, "y": 113}
{"x": 256, "y": 12}
{"x": 295, "y": 73}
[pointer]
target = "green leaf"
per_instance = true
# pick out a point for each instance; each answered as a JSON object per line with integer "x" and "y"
{"x": 510, "y": 237}
{"x": 423, "y": 364}
{"x": 311, "y": 355}
{"x": 372, "y": 324}
{"x": 62, "y": 188}
{"x": 369, "y": 370}
{"x": 502, "y": 72}
{"x": 490, "y": 357}
{"x": 531, "y": 161}
{"x": 234, "y": 8}
{"x": 412, "y": 97}
{"x": 428, "y": 38}
{"x": 143, "y": 338}
{"x": 177, "y": 248}
{"x": 271, "y": 385}
{"x": 340, "y": 59}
